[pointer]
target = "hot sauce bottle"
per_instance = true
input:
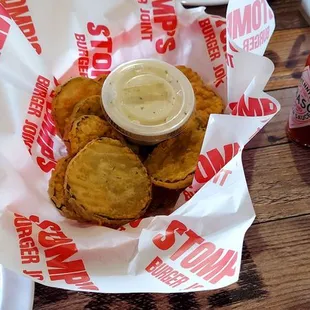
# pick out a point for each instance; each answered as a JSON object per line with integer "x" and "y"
{"x": 298, "y": 127}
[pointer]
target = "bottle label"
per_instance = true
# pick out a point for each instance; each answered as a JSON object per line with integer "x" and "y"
{"x": 300, "y": 113}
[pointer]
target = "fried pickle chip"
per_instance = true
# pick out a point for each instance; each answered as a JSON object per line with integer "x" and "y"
{"x": 87, "y": 128}
{"x": 207, "y": 102}
{"x": 107, "y": 183}
{"x": 101, "y": 78}
{"x": 89, "y": 106}
{"x": 173, "y": 162}
{"x": 68, "y": 95}
{"x": 192, "y": 76}
{"x": 56, "y": 184}
{"x": 56, "y": 189}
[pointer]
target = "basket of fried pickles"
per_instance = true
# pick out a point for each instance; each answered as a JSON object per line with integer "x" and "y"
{"x": 133, "y": 138}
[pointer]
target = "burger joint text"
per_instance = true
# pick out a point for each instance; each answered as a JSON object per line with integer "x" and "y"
{"x": 163, "y": 15}
{"x": 47, "y": 131}
{"x": 196, "y": 255}
{"x": 58, "y": 250}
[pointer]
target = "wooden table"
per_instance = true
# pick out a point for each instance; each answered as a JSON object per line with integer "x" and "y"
{"x": 276, "y": 256}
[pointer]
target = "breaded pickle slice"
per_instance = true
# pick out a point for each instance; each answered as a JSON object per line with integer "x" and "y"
{"x": 173, "y": 162}
{"x": 68, "y": 95}
{"x": 89, "y": 106}
{"x": 108, "y": 183}
{"x": 56, "y": 189}
{"x": 207, "y": 102}
{"x": 101, "y": 78}
{"x": 87, "y": 128}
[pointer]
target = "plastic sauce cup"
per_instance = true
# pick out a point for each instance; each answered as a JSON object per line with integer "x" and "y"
{"x": 148, "y": 100}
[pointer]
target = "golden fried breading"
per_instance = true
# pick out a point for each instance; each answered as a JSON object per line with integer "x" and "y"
{"x": 68, "y": 95}
{"x": 87, "y": 128}
{"x": 207, "y": 102}
{"x": 101, "y": 78}
{"x": 108, "y": 183}
{"x": 56, "y": 184}
{"x": 89, "y": 106}
{"x": 56, "y": 189}
{"x": 192, "y": 76}
{"x": 173, "y": 162}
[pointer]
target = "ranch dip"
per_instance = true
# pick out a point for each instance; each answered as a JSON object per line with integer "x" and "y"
{"x": 148, "y": 100}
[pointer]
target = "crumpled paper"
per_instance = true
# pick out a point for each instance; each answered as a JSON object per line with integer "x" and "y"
{"x": 199, "y": 245}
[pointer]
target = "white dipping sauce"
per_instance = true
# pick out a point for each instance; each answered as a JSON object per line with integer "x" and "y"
{"x": 148, "y": 100}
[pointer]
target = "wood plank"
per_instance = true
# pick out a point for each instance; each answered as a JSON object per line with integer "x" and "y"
{"x": 274, "y": 275}
{"x": 287, "y": 12}
{"x": 278, "y": 178}
{"x": 217, "y": 10}
{"x": 288, "y": 49}
{"x": 279, "y": 256}
{"x": 274, "y": 132}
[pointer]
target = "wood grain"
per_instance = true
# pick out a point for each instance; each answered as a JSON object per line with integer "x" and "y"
{"x": 274, "y": 275}
{"x": 288, "y": 49}
{"x": 278, "y": 179}
{"x": 288, "y": 14}
{"x": 283, "y": 259}
{"x": 289, "y": 10}
{"x": 281, "y": 255}
{"x": 274, "y": 132}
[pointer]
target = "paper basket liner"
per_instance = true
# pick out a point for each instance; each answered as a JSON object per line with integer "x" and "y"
{"x": 198, "y": 246}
